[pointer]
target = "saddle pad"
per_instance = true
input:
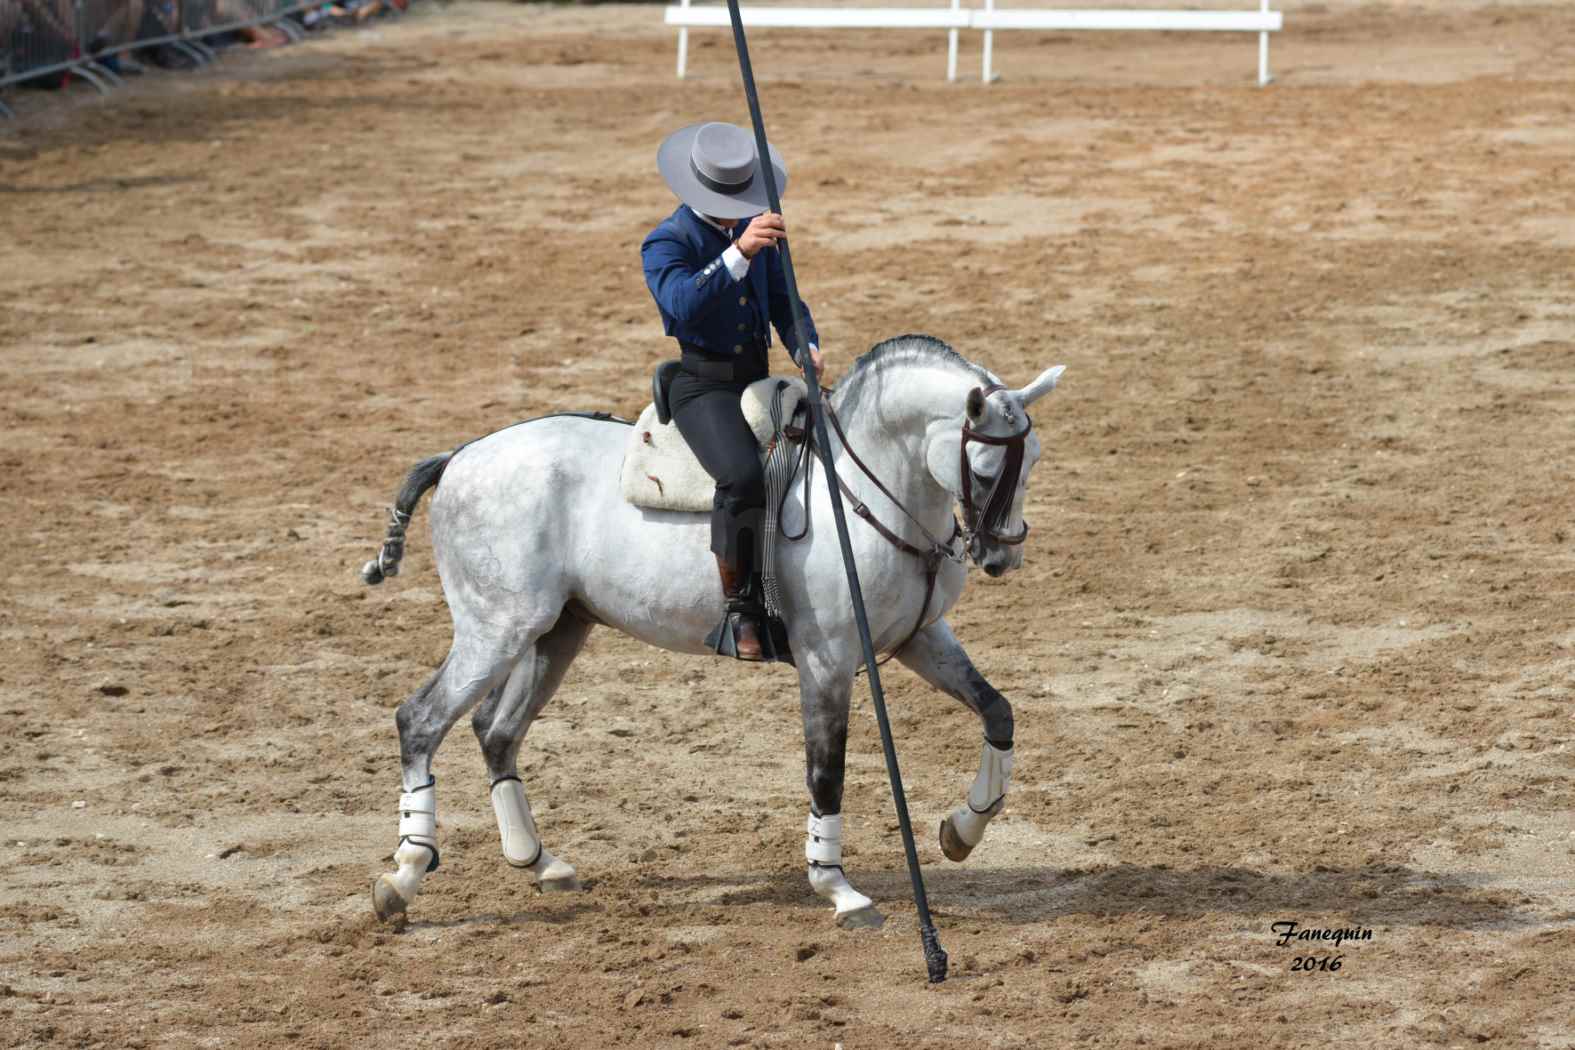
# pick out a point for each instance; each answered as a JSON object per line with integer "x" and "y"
{"x": 659, "y": 471}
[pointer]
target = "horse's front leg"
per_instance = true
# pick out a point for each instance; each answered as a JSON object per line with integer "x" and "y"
{"x": 823, "y": 697}
{"x": 938, "y": 657}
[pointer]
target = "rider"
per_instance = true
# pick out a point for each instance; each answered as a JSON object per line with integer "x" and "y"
{"x": 719, "y": 285}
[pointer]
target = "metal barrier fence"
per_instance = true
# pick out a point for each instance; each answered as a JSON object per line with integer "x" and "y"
{"x": 46, "y": 41}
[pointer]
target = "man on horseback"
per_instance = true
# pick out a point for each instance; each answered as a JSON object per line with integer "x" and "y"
{"x": 718, "y": 284}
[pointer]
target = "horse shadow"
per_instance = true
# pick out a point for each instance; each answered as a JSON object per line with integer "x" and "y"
{"x": 103, "y": 185}
{"x": 1369, "y": 895}
{"x": 526, "y": 916}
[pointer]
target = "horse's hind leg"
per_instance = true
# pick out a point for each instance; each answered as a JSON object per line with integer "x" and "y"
{"x": 471, "y": 670}
{"x": 501, "y": 723}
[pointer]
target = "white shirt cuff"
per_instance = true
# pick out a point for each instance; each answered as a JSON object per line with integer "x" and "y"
{"x": 735, "y": 262}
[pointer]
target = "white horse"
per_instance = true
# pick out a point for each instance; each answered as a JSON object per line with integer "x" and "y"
{"x": 536, "y": 545}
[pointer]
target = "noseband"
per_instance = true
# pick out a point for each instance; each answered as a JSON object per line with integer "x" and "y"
{"x": 986, "y": 522}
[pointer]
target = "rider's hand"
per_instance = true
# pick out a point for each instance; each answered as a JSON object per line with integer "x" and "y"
{"x": 763, "y": 230}
{"x": 820, "y": 361}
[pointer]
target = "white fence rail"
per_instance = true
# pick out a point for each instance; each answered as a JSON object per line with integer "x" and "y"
{"x": 987, "y": 20}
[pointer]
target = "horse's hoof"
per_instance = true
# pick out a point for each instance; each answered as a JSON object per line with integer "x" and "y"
{"x": 952, "y": 844}
{"x": 387, "y": 901}
{"x": 865, "y": 918}
{"x": 556, "y": 876}
{"x": 559, "y": 884}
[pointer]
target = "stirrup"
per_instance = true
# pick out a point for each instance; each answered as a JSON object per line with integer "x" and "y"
{"x": 723, "y": 639}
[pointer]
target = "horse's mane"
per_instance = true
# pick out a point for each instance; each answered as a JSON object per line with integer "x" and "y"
{"x": 905, "y": 350}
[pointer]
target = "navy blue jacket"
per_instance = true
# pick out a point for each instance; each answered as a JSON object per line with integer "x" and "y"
{"x": 701, "y": 304}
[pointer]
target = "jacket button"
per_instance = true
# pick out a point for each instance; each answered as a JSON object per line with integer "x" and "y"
{"x": 743, "y": 300}
{"x": 738, "y": 348}
{"x": 743, "y": 327}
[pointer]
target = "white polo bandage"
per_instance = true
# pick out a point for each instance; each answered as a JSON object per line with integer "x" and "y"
{"x": 516, "y": 826}
{"x": 418, "y": 815}
{"x": 995, "y": 775}
{"x": 823, "y": 844}
{"x": 986, "y": 797}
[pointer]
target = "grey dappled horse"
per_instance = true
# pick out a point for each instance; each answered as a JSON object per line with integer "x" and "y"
{"x": 536, "y": 545}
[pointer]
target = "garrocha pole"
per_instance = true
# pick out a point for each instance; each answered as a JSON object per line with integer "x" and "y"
{"x": 934, "y": 955}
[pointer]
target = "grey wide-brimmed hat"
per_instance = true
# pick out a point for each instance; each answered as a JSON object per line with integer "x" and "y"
{"x": 713, "y": 169}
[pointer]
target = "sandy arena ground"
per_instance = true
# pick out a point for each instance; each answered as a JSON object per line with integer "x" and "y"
{"x": 1295, "y": 638}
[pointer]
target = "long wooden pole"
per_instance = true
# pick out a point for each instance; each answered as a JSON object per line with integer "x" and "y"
{"x": 934, "y": 955}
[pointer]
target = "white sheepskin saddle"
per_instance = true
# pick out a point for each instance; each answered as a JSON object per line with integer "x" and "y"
{"x": 659, "y": 471}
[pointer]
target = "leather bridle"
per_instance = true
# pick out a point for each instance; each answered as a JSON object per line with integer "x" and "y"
{"x": 976, "y": 523}
{"x": 986, "y": 522}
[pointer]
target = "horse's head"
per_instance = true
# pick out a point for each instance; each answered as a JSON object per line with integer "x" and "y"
{"x": 982, "y": 457}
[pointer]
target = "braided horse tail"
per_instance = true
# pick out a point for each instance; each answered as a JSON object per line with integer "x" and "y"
{"x": 422, "y": 476}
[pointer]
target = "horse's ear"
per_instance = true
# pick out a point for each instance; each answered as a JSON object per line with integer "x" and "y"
{"x": 1041, "y": 386}
{"x": 976, "y": 404}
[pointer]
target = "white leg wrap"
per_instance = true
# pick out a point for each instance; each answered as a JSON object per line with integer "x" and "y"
{"x": 522, "y": 842}
{"x": 418, "y": 820}
{"x": 986, "y": 797}
{"x": 516, "y": 826}
{"x": 823, "y": 850}
{"x": 823, "y": 843}
{"x": 417, "y": 853}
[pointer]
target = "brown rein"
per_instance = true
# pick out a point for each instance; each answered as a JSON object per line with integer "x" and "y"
{"x": 933, "y": 557}
{"x": 997, "y": 504}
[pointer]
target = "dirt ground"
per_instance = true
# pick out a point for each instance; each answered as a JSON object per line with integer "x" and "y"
{"x": 1294, "y": 641}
